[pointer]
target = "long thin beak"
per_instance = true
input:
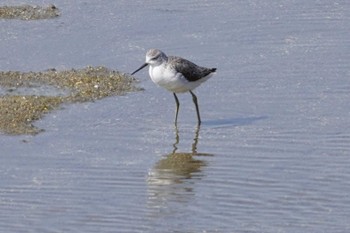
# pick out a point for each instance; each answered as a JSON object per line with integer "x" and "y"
{"x": 143, "y": 66}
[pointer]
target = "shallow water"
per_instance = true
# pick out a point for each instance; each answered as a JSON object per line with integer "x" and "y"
{"x": 272, "y": 154}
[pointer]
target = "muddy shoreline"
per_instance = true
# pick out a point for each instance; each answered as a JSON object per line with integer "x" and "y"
{"x": 28, "y": 12}
{"x": 19, "y": 111}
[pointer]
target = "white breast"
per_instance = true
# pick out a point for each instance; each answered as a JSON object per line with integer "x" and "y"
{"x": 169, "y": 79}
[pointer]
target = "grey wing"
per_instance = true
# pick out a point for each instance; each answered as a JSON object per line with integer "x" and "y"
{"x": 188, "y": 69}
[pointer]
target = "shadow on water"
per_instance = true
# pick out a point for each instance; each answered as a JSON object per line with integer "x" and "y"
{"x": 173, "y": 177}
{"x": 232, "y": 122}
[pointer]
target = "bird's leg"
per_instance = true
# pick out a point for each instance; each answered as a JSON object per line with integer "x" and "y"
{"x": 177, "y": 108}
{"x": 194, "y": 98}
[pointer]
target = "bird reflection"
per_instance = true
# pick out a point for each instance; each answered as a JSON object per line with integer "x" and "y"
{"x": 194, "y": 144}
{"x": 173, "y": 177}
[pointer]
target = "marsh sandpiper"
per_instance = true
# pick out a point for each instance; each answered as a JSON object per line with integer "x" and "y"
{"x": 176, "y": 74}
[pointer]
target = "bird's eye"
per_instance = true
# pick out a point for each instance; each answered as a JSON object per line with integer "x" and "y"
{"x": 155, "y": 58}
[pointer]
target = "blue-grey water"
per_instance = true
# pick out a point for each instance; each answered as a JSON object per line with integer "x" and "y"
{"x": 272, "y": 154}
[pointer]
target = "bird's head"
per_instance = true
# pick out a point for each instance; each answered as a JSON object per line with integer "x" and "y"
{"x": 154, "y": 57}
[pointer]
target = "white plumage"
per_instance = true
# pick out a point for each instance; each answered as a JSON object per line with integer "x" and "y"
{"x": 176, "y": 74}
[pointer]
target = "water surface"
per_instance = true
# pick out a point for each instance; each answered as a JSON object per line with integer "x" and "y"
{"x": 272, "y": 154}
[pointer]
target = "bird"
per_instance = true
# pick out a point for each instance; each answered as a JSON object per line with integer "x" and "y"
{"x": 176, "y": 74}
